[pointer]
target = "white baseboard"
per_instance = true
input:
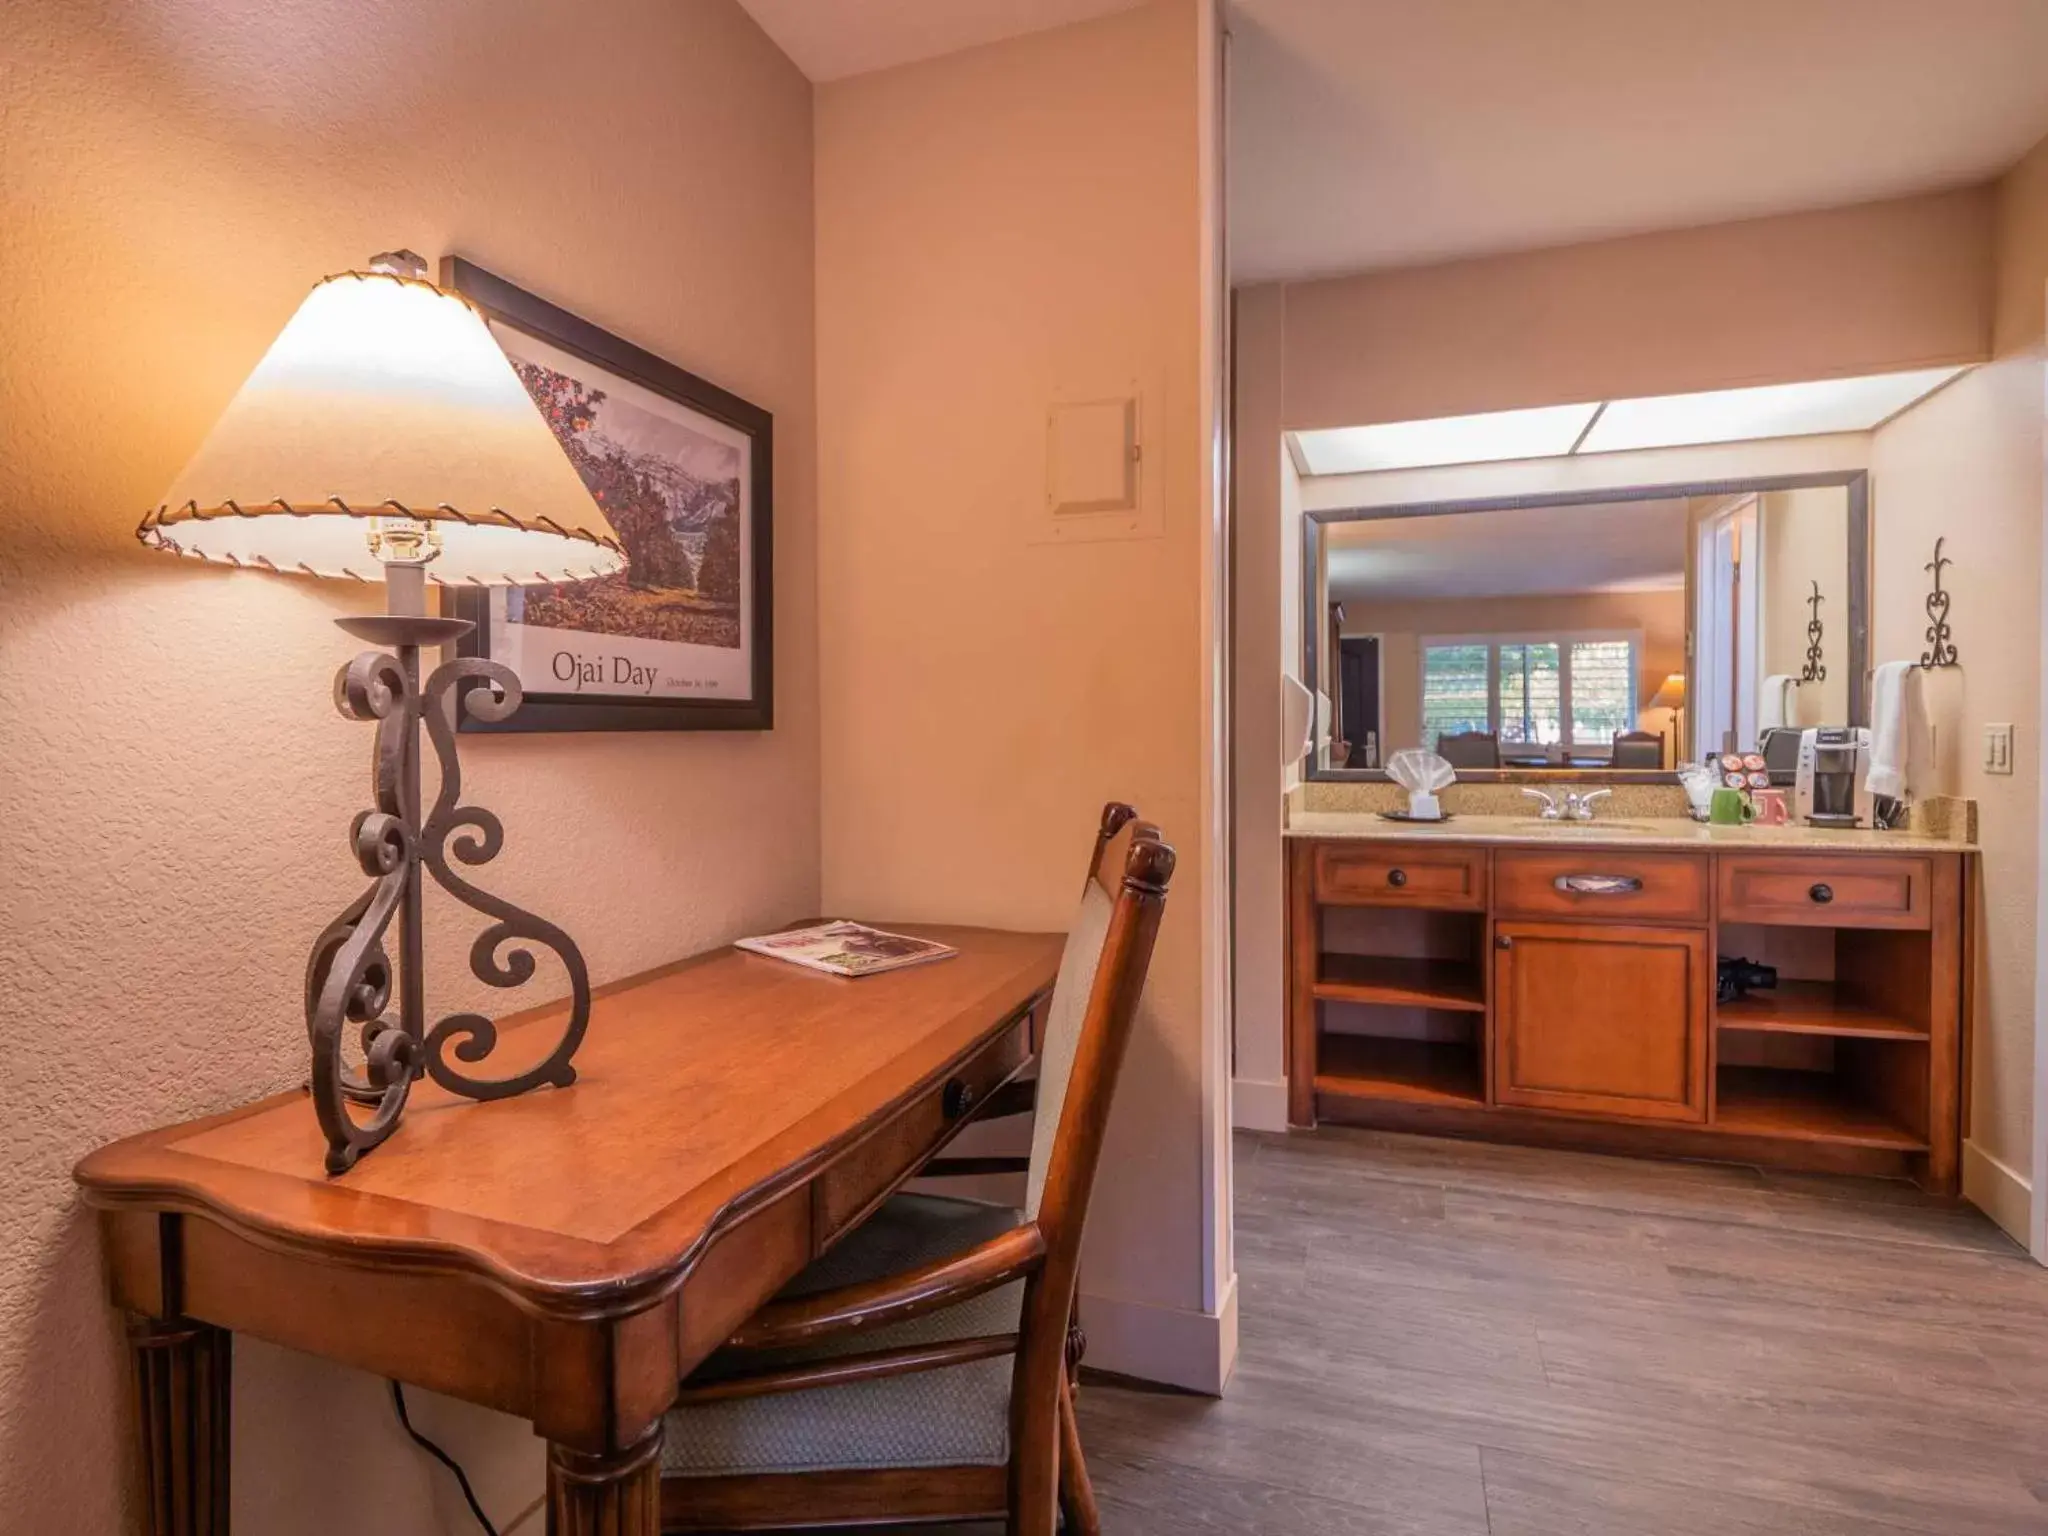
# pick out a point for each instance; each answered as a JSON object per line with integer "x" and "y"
{"x": 1257, "y": 1104}
{"x": 2000, "y": 1192}
{"x": 1194, "y": 1350}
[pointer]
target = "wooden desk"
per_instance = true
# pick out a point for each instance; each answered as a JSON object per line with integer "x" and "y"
{"x": 570, "y": 1255}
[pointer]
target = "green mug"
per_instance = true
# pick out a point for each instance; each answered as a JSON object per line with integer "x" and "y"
{"x": 1730, "y": 808}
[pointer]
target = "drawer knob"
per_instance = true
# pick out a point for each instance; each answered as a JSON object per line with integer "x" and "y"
{"x": 1397, "y": 878}
{"x": 1822, "y": 893}
{"x": 957, "y": 1099}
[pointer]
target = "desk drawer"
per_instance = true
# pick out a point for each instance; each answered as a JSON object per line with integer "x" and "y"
{"x": 853, "y": 1186}
{"x": 1827, "y": 891}
{"x": 1401, "y": 875}
{"x": 1600, "y": 885}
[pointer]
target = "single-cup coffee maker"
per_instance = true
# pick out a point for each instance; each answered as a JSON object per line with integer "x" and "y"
{"x": 1833, "y": 786}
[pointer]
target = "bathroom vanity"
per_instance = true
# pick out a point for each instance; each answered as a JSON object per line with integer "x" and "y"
{"x": 1554, "y": 982}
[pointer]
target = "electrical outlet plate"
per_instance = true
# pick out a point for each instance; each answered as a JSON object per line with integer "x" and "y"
{"x": 1998, "y": 748}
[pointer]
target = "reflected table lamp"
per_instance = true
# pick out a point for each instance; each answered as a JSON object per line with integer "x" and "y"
{"x": 385, "y": 434}
{"x": 1671, "y": 695}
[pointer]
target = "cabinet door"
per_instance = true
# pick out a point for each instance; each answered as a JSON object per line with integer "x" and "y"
{"x": 1601, "y": 1019}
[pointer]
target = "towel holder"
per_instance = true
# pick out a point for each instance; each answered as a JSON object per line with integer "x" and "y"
{"x": 1813, "y": 671}
{"x": 1941, "y": 649}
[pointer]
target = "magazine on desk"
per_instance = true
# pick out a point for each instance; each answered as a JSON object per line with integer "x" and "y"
{"x": 847, "y": 949}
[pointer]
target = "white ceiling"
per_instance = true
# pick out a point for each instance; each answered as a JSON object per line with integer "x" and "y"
{"x": 1615, "y": 546}
{"x": 1374, "y": 133}
{"x": 830, "y": 39}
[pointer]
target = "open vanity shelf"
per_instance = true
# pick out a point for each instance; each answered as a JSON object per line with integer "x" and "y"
{"x": 1565, "y": 994}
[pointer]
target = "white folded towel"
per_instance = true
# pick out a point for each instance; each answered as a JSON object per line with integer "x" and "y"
{"x": 1901, "y": 744}
{"x": 1775, "y": 705}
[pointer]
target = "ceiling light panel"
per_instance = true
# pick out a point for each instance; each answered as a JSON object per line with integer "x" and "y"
{"x": 1533, "y": 434}
{"x": 1774, "y": 410}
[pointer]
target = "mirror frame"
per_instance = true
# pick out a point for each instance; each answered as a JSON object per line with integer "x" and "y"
{"x": 1855, "y": 481}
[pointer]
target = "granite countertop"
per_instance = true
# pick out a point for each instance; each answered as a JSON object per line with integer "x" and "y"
{"x": 1529, "y": 831}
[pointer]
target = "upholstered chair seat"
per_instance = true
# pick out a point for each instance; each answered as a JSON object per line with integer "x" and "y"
{"x": 922, "y": 1369}
{"x": 955, "y": 1416}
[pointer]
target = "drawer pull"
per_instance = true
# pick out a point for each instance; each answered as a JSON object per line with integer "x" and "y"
{"x": 1397, "y": 878}
{"x": 957, "y": 1099}
{"x": 1822, "y": 893}
{"x": 1598, "y": 885}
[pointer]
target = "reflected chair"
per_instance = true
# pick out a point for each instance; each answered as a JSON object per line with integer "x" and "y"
{"x": 920, "y": 1371}
{"x": 1638, "y": 749}
{"x": 1470, "y": 749}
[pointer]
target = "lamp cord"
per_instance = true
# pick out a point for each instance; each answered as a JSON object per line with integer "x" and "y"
{"x": 433, "y": 1450}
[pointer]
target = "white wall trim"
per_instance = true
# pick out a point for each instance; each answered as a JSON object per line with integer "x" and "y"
{"x": 2035, "y": 1232}
{"x": 1258, "y": 1104}
{"x": 1177, "y": 1348}
{"x": 2004, "y": 1194}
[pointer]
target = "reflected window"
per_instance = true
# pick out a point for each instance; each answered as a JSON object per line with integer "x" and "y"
{"x": 1603, "y": 676}
{"x": 1531, "y": 694}
{"x": 1526, "y": 689}
{"x": 1454, "y": 690}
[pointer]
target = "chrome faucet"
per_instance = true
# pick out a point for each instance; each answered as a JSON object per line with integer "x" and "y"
{"x": 1575, "y": 806}
{"x": 1579, "y": 807}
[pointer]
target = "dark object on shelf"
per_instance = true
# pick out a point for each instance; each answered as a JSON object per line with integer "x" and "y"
{"x": 1941, "y": 650}
{"x": 1780, "y": 747}
{"x": 1427, "y": 821}
{"x": 1813, "y": 671}
{"x": 1735, "y": 977}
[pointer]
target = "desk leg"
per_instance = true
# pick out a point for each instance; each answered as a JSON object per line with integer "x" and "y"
{"x": 182, "y": 1376}
{"x": 617, "y": 1495}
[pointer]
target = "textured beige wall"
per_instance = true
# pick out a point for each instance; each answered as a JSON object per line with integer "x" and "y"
{"x": 1265, "y": 575}
{"x": 1805, "y": 536}
{"x": 176, "y": 176}
{"x": 1967, "y": 465}
{"x": 994, "y": 227}
{"x": 1814, "y": 295}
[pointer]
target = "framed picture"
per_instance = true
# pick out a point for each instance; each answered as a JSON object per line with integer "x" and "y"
{"x": 683, "y": 638}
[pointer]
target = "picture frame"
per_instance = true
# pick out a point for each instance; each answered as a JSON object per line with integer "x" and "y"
{"x": 684, "y": 639}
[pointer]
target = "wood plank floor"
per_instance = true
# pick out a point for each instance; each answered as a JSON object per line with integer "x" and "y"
{"x": 1443, "y": 1338}
{"x": 1448, "y": 1339}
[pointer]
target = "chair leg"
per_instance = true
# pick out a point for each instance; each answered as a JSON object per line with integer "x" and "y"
{"x": 1077, "y": 1493}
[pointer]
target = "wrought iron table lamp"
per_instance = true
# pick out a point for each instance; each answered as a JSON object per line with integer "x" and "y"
{"x": 385, "y": 427}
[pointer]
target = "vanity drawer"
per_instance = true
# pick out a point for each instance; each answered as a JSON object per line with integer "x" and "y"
{"x": 1401, "y": 875}
{"x": 1829, "y": 891}
{"x": 1599, "y": 884}
{"x": 848, "y": 1190}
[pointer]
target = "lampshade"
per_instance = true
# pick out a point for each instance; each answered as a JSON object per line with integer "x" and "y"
{"x": 384, "y": 398}
{"x": 1671, "y": 695}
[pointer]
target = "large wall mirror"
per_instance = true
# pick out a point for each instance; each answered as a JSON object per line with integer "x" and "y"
{"x": 1617, "y": 633}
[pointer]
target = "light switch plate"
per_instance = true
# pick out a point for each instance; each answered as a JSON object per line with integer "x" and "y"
{"x": 1998, "y": 748}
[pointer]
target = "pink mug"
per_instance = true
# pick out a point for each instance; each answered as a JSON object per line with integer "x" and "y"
{"x": 1771, "y": 809}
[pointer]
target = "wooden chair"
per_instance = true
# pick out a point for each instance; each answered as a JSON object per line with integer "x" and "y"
{"x": 1638, "y": 749}
{"x": 1470, "y": 749}
{"x": 920, "y": 1371}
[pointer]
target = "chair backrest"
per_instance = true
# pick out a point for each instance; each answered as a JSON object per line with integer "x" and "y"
{"x": 1470, "y": 749}
{"x": 1083, "y": 989}
{"x": 1638, "y": 749}
{"x": 1094, "y": 1007}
